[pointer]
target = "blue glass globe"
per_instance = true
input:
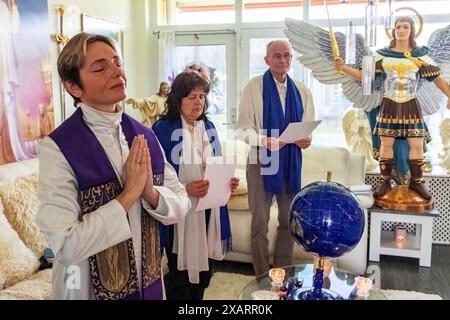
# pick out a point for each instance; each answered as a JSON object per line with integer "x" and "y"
{"x": 326, "y": 219}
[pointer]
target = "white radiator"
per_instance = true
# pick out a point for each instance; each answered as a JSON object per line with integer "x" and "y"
{"x": 439, "y": 187}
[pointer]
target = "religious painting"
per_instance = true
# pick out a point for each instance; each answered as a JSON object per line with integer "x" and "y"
{"x": 26, "y": 98}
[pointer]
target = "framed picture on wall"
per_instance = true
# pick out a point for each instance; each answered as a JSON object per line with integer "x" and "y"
{"x": 104, "y": 27}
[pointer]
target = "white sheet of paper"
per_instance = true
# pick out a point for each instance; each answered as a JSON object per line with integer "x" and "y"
{"x": 218, "y": 171}
{"x": 298, "y": 130}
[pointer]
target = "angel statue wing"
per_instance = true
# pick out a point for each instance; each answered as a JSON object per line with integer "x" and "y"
{"x": 429, "y": 96}
{"x": 313, "y": 43}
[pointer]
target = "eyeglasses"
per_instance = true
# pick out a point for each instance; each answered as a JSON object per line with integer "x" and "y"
{"x": 282, "y": 56}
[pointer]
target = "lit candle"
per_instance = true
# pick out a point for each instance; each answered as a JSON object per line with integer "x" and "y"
{"x": 400, "y": 236}
{"x": 276, "y": 287}
{"x": 363, "y": 286}
{"x": 277, "y": 274}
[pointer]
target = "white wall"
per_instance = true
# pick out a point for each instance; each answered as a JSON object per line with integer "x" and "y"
{"x": 129, "y": 13}
{"x": 146, "y": 52}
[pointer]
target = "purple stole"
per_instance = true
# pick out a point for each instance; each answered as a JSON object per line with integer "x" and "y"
{"x": 113, "y": 271}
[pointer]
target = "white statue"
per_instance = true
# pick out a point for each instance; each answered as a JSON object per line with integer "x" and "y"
{"x": 409, "y": 82}
{"x": 152, "y": 107}
{"x": 358, "y": 135}
{"x": 444, "y": 155}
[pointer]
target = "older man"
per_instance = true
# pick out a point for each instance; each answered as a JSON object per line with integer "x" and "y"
{"x": 268, "y": 104}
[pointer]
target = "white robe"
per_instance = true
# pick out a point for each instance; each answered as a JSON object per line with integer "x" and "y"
{"x": 191, "y": 242}
{"x": 73, "y": 237}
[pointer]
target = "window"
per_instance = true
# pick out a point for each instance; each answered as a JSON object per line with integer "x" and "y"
{"x": 271, "y": 10}
{"x": 214, "y": 58}
{"x": 262, "y": 21}
{"x": 329, "y": 102}
{"x": 191, "y": 12}
{"x": 352, "y": 9}
{"x": 356, "y": 8}
{"x": 216, "y": 52}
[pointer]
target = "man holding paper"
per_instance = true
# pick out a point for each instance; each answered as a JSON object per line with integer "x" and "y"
{"x": 269, "y": 103}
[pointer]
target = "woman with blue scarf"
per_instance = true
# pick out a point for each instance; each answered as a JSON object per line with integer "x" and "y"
{"x": 188, "y": 138}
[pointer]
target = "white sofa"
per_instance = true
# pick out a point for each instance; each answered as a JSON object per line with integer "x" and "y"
{"x": 21, "y": 242}
{"x": 347, "y": 169}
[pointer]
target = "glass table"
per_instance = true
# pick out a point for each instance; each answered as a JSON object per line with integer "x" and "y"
{"x": 339, "y": 281}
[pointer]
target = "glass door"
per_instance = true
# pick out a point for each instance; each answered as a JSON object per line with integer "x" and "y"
{"x": 217, "y": 52}
{"x": 329, "y": 102}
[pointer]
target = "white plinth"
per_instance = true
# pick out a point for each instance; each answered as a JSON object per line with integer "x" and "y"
{"x": 416, "y": 246}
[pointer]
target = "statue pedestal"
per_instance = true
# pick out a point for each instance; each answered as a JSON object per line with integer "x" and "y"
{"x": 401, "y": 198}
{"x": 414, "y": 246}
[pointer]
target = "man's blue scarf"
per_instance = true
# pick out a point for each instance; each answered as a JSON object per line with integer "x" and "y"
{"x": 290, "y": 156}
{"x": 163, "y": 130}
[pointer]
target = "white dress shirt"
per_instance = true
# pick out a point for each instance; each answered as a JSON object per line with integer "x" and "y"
{"x": 282, "y": 88}
{"x": 74, "y": 237}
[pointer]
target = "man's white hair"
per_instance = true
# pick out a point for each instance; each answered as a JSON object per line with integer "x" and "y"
{"x": 278, "y": 41}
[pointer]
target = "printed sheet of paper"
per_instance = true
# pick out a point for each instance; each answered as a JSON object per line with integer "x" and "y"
{"x": 298, "y": 130}
{"x": 219, "y": 171}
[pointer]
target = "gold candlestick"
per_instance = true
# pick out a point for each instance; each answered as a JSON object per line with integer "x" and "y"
{"x": 60, "y": 37}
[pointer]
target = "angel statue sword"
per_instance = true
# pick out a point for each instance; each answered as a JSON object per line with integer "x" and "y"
{"x": 334, "y": 45}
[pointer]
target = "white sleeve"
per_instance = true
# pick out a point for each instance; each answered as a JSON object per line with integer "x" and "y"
{"x": 308, "y": 106}
{"x": 245, "y": 127}
{"x": 72, "y": 236}
{"x": 174, "y": 202}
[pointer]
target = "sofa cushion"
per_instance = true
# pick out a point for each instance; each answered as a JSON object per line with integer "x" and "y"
{"x": 37, "y": 287}
{"x": 17, "y": 262}
{"x": 20, "y": 201}
{"x": 15, "y": 170}
{"x": 238, "y": 149}
{"x": 238, "y": 202}
{"x": 317, "y": 160}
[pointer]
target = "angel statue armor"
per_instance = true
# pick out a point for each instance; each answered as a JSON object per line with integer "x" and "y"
{"x": 409, "y": 85}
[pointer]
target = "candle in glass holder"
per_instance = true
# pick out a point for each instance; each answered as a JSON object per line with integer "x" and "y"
{"x": 264, "y": 295}
{"x": 400, "y": 236}
{"x": 276, "y": 287}
{"x": 363, "y": 286}
{"x": 277, "y": 274}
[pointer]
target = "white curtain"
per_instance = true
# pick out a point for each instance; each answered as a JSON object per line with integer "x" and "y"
{"x": 166, "y": 56}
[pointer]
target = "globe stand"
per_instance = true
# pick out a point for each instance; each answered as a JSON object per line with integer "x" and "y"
{"x": 324, "y": 229}
{"x": 316, "y": 292}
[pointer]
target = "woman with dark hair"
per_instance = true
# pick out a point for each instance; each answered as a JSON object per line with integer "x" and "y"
{"x": 188, "y": 138}
{"x": 399, "y": 67}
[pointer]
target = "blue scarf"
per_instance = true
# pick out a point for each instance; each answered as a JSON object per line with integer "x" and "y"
{"x": 163, "y": 130}
{"x": 290, "y": 156}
